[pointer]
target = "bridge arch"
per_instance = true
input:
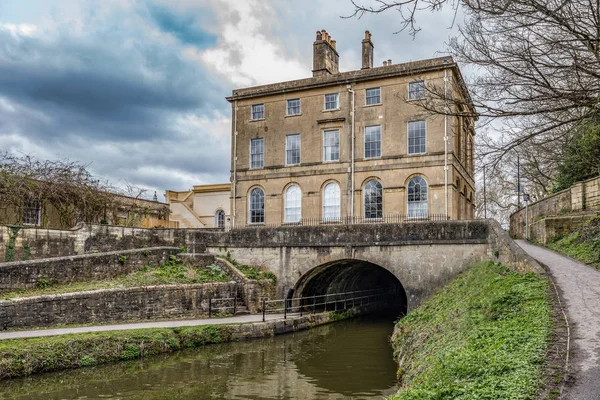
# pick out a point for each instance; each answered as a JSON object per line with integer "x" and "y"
{"x": 351, "y": 275}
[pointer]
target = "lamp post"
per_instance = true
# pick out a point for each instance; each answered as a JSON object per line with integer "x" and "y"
{"x": 484, "y": 196}
{"x": 526, "y": 200}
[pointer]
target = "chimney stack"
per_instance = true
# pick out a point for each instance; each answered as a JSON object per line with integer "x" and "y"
{"x": 325, "y": 57}
{"x": 367, "y": 51}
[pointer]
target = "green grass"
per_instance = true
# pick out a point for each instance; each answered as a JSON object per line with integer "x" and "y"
{"x": 22, "y": 357}
{"x": 583, "y": 244}
{"x": 483, "y": 336}
{"x": 170, "y": 272}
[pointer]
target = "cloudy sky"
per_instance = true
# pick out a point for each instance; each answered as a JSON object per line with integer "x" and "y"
{"x": 136, "y": 88}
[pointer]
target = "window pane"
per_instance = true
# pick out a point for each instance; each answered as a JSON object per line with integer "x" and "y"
{"x": 417, "y": 198}
{"x": 416, "y": 137}
{"x": 31, "y": 213}
{"x": 220, "y": 217}
{"x": 293, "y": 204}
{"x": 257, "y": 153}
{"x": 373, "y": 200}
{"x": 372, "y": 141}
{"x": 331, "y": 145}
{"x": 331, "y": 202}
{"x": 331, "y": 101}
{"x": 416, "y": 90}
{"x": 293, "y": 107}
{"x": 373, "y": 96}
{"x": 258, "y": 111}
{"x": 292, "y": 149}
{"x": 257, "y": 206}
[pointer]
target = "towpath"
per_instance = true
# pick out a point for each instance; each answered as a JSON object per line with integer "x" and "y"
{"x": 242, "y": 319}
{"x": 579, "y": 285}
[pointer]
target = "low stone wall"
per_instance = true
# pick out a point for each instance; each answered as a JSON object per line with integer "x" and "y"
{"x": 581, "y": 197}
{"x": 504, "y": 250}
{"x": 545, "y": 230}
{"x": 87, "y": 267}
{"x": 30, "y": 243}
{"x": 139, "y": 303}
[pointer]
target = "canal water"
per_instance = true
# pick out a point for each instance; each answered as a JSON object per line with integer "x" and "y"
{"x": 349, "y": 359}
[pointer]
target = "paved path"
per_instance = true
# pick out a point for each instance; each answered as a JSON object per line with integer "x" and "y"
{"x": 242, "y": 319}
{"x": 580, "y": 287}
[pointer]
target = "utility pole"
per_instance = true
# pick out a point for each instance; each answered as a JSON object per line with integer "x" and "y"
{"x": 484, "y": 196}
{"x": 518, "y": 182}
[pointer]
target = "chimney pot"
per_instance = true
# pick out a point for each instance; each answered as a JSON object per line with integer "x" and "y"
{"x": 325, "y": 56}
{"x": 389, "y": 62}
{"x": 385, "y": 63}
{"x": 367, "y": 51}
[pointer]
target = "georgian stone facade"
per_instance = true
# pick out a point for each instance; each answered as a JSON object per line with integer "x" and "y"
{"x": 350, "y": 144}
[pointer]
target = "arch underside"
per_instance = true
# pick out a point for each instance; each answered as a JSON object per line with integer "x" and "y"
{"x": 350, "y": 275}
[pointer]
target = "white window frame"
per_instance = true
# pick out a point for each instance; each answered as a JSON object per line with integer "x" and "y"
{"x": 367, "y": 97}
{"x": 365, "y": 202}
{"x": 417, "y": 212}
{"x": 365, "y": 142}
{"x": 422, "y": 82}
{"x": 328, "y": 208}
{"x": 337, "y": 101}
{"x": 408, "y": 136}
{"x": 250, "y": 209}
{"x": 287, "y": 150}
{"x": 337, "y": 131}
{"x": 292, "y": 213}
{"x": 29, "y": 209}
{"x": 287, "y": 107}
{"x": 217, "y": 218}
{"x": 263, "y": 153}
{"x": 252, "y": 112}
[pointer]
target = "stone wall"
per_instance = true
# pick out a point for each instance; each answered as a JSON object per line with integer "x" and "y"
{"x": 141, "y": 303}
{"x": 580, "y": 198}
{"x": 87, "y": 267}
{"x": 30, "y": 243}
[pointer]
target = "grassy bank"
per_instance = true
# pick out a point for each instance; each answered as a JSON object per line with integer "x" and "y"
{"x": 583, "y": 244}
{"x": 484, "y": 336}
{"x": 171, "y": 271}
{"x": 22, "y": 357}
{"x": 251, "y": 272}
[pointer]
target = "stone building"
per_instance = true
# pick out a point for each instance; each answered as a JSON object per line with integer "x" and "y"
{"x": 351, "y": 144}
{"x": 205, "y": 206}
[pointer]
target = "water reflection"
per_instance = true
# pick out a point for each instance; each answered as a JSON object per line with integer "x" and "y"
{"x": 349, "y": 359}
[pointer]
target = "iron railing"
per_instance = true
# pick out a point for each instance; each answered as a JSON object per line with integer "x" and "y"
{"x": 220, "y": 305}
{"x": 347, "y": 220}
{"x": 324, "y": 302}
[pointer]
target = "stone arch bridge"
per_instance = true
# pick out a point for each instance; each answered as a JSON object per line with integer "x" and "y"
{"x": 412, "y": 260}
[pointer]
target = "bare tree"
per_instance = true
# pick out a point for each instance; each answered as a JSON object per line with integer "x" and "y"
{"x": 65, "y": 189}
{"x": 537, "y": 66}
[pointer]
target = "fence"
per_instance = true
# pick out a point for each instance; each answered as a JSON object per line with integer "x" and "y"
{"x": 324, "y": 302}
{"x": 348, "y": 220}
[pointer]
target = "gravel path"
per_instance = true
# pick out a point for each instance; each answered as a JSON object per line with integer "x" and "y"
{"x": 580, "y": 287}
{"x": 242, "y": 319}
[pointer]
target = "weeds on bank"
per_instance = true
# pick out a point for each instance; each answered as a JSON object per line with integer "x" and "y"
{"x": 172, "y": 271}
{"x": 484, "y": 336}
{"x": 24, "y": 357}
{"x": 583, "y": 244}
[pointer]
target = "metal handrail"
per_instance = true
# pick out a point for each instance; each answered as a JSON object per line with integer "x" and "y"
{"x": 288, "y": 304}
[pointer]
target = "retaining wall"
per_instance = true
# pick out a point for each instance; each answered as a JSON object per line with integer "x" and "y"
{"x": 87, "y": 267}
{"x": 581, "y": 197}
{"x": 139, "y": 303}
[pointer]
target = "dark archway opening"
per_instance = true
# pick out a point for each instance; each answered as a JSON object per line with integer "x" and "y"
{"x": 355, "y": 278}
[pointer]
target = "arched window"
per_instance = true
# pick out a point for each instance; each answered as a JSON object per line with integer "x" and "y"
{"x": 292, "y": 204}
{"x": 331, "y": 202}
{"x": 373, "y": 200}
{"x": 417, "y": 198}
{"x": 220, "y": 219}
{"x": 256, "y": 206}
